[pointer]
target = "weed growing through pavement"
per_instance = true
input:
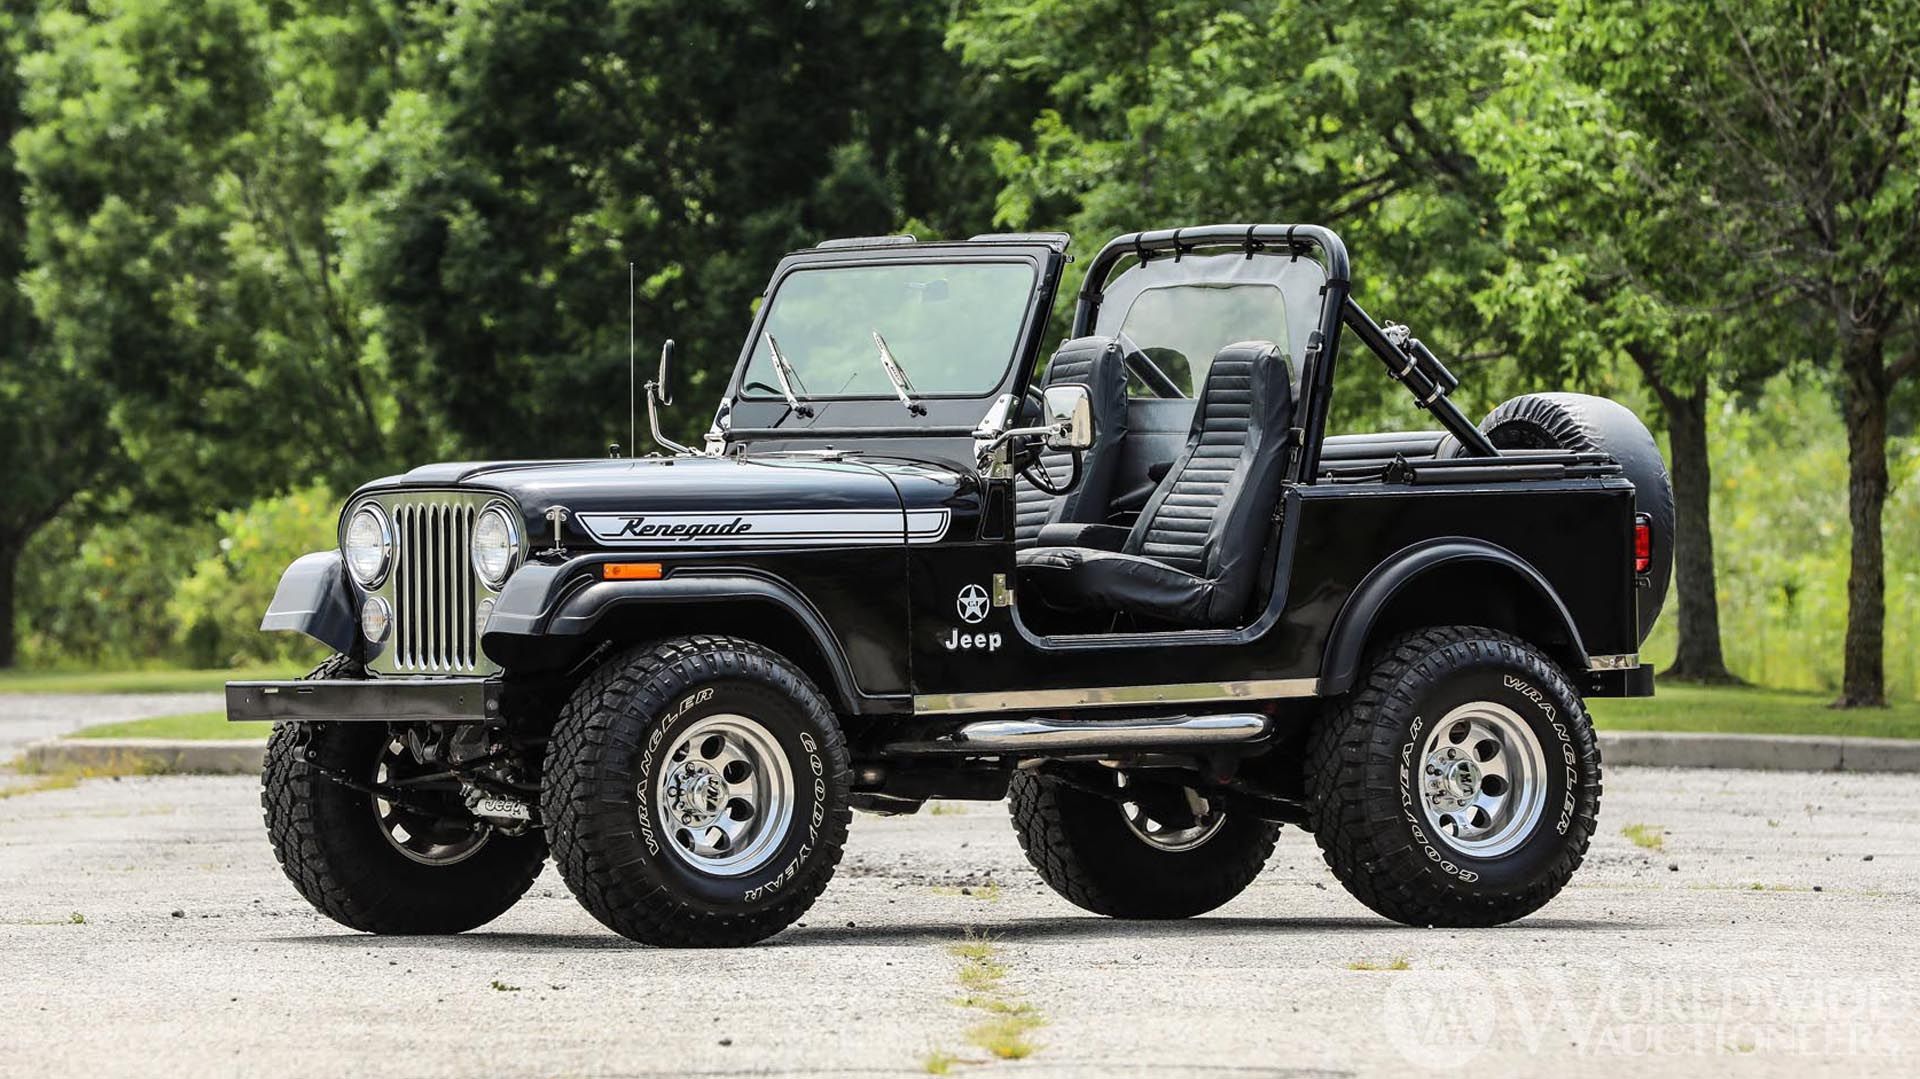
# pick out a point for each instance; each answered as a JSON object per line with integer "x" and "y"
{"x": 1646, "y": 836}
{"x": 1005, "y": 1033}
{"x": 1398, "y": 962}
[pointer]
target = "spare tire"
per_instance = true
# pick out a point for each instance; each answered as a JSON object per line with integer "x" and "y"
{"x": 1578, "y": 423}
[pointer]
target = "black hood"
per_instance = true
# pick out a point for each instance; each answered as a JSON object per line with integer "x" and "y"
{"x": 680, "y": 501}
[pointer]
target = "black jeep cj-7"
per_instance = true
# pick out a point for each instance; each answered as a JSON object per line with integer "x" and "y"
{"x": 1143, "y": 593}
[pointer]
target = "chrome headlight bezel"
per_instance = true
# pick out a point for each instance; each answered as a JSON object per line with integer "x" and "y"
{"x": 383, "y": 546}
{"x": 509, "y": 520}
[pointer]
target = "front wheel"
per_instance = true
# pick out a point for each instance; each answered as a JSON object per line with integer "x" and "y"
{"x": 696, "y": 793}
{"x": 425, "y": 867}
{"x": 1459, "y": 784}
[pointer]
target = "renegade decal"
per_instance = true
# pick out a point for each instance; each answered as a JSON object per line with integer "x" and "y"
{"x": 799, "y": 528}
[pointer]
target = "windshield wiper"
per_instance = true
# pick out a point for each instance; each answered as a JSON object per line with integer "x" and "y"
{"x": 902, "y": 385}
{"x": 783, "y": 371}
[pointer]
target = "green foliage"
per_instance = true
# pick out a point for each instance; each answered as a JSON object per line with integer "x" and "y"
{"x": 1782, "y": 540}
{"x": 216, "y": 609}
{"x": 140, "y": 589}
{"x": 95, "y": 586}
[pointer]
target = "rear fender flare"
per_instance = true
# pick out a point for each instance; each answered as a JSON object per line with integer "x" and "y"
{"x": 1353, "y": 628}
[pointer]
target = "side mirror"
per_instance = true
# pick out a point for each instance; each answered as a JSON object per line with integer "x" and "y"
{"x": 1070, "y": 417}
{"x": 660, "y": 389}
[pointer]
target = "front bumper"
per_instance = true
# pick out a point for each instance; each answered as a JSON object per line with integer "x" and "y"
{"x": 373, "y": 700}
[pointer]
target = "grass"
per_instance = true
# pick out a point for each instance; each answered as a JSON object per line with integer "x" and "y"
{"x": 195, "y": 726}
{"x": 127, "y": 764}
{"x": 1005, "y": 1032}
{"x": 1646, "y": 836}
{"x": 1398, "y": 962}
{"x": 156, "y": 681}
{"x": 1753, "y": 710}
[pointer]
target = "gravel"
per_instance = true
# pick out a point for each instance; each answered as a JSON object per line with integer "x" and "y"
{"x": 146, "y": 930}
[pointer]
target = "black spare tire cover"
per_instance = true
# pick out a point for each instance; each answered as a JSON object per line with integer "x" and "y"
{"x": 1578, "y": 423}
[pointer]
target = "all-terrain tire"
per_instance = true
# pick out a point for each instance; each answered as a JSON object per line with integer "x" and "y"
{"x": 1365, "y": 774}
{"x": 1083, "y": 848}
{"x": 330, "y": 842}
{"x": 606, "y": 758}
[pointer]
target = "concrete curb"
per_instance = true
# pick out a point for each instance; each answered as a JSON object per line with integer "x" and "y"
{"x": 1644, "y": 749}
{"x": 1759, "y": 752}
{"x": 147, "y": 756}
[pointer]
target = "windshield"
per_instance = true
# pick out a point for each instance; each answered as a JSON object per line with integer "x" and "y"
{"x": 952, "y": 327}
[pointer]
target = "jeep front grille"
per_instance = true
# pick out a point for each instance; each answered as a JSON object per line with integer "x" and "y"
{"x": 434, "y": 587}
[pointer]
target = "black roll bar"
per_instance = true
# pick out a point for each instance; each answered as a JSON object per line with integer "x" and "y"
{"x": 1425, "y": 382}
{"x": 1426, "y": 386}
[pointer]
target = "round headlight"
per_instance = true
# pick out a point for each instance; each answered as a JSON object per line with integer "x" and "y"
{"x": 495, "y": 543}
{"x": 369, "y": 545}
{"x": 376, "y": 619}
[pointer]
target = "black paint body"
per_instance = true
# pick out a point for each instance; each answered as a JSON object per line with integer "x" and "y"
{"x": 879, "y": 617}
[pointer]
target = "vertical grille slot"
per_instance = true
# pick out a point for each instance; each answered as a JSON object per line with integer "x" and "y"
{"x": 434, "y": 591}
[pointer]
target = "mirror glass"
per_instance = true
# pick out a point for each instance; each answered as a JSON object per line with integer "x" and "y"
{"x": 663, "y": 389}
{"x": 1070, "y": 414}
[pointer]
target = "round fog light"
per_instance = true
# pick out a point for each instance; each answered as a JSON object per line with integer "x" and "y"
{"x": 376, "y": 619}
{"x": 480, "y": 616}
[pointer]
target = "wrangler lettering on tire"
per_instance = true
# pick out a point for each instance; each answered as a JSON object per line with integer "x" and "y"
{"x": 696, "y": 792}
{"x": 1478, "y": 735}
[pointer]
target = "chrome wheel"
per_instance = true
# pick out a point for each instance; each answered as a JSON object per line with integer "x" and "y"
{"x": 725, "y": 796}
{"x": 429, "y": 840}
{"x": 1483, "y": 779}
{"x": 1207, "y": 822}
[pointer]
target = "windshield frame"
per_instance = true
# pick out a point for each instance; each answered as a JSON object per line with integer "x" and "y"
{"x": 757, "y": 417}
{"x": 737, "y": 388}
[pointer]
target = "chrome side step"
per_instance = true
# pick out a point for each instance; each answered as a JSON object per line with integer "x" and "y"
{"x": 1041, "y": 736}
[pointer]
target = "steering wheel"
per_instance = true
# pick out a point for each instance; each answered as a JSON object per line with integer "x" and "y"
{"x": 1026, "y": 457}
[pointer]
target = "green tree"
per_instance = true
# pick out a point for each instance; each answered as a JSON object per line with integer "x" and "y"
{"x": 1181, "y": 111}
{"x": 52, "y": 435}
{"x": 1607, "y": 267}
{"x": 1803, "y": 115}
{"x": 698, "y": 139}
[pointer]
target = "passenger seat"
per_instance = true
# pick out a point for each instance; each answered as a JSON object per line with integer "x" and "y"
{"x": 1193, "y": 557}
{"x": 1097, "y": 364}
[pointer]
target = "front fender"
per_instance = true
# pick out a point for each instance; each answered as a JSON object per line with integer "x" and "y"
{"x": 1352, "y": 629}
{"x": 571, "y": 600}
{"x": 313, "y": 599}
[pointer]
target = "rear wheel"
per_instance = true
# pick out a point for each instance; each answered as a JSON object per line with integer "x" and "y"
{"x": 1168, "y": 852}
{"x": 696, "y": 793}
{"x": 1459, "y": 785}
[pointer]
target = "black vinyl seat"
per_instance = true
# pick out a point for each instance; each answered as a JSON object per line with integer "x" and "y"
{"x": 1098, "y": 364}
{"x": 1193, "y": 557}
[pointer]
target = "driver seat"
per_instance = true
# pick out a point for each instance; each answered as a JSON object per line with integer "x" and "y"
{"x": 1193, "y": 557}
{"x": 1098, "y": 364}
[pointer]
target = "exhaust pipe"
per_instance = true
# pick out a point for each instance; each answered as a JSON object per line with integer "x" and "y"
{"x": 1044, "y": 736}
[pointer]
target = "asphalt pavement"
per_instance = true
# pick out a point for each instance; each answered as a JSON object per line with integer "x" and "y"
{"x": 146, "y": 930}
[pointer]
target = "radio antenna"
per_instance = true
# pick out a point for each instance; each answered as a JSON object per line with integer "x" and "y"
{"x": 633, "y": 425}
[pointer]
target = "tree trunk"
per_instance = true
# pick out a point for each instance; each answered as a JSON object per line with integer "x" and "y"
{"x": 9, "y": 565}
{"x": 1698, "y": 658}
{"x": 1863, "y": 680}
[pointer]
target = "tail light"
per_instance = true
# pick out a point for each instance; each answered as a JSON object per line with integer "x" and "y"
{"x": 1642, "y": 543}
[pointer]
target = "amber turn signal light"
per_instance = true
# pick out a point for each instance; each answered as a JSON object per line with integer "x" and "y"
{"x": 631, "y": 571}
